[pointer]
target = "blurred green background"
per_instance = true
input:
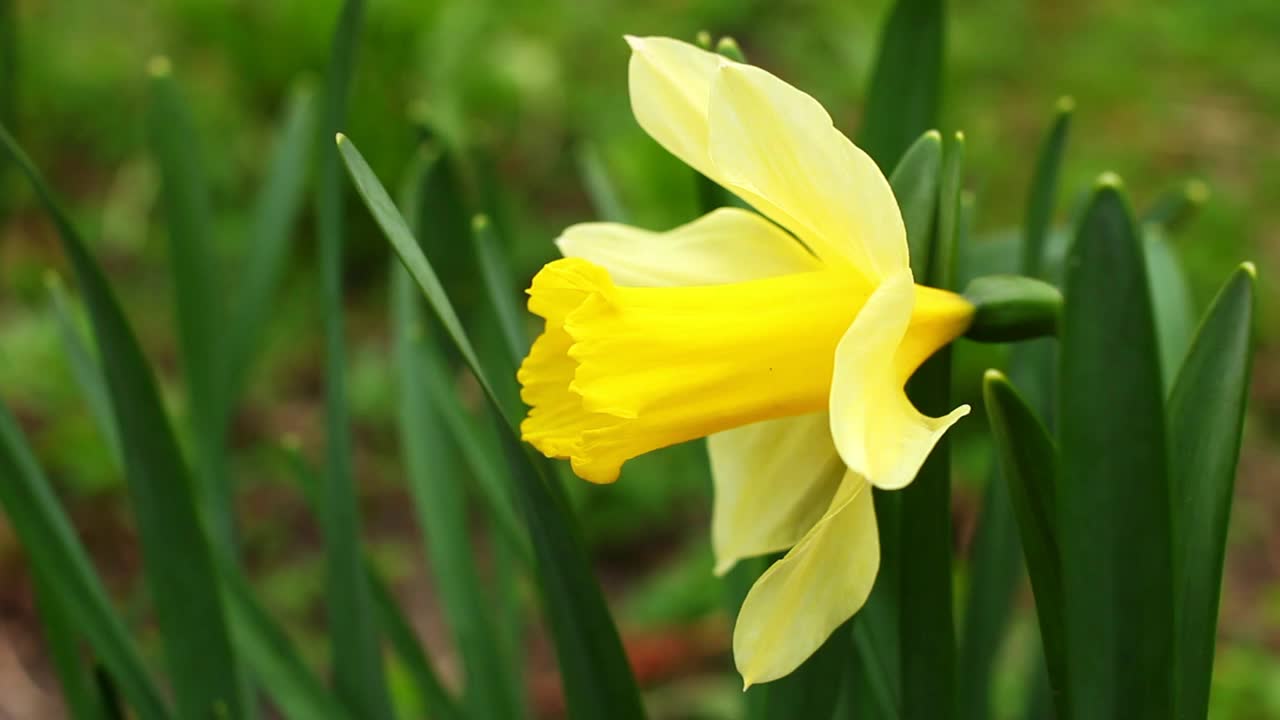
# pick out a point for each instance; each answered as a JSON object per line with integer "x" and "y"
{"x": 1166, "y": 91}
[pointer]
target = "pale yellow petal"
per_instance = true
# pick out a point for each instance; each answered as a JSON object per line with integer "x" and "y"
{"x": 724, "y": 246}
{"x": 773, "y": 480}
{"x": 670, "y": 83}
{"x": 799, "y": 601}
{"x": 777, "y": 148}
{"x": 878, "y": 432}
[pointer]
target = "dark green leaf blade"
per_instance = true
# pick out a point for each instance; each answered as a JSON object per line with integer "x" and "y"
{"x": 274, "y": 216}
{"x": 358, "y": 673}
{"x": 1170, "y": 301}
{"x": 915, "y": 184}
{"x": 1113, "y": 497}
{"x": 1044, "y": 190}
{"x": 1206, "y": 417}
{"x": 905, "y": 91}
{"x": 926, "y": 624}
{"x": 177, "y": 555}
{"x": 1029, "y": 463}
{"x": 84, "y": 367}
{"x": 64, "y": 570}
{"x": 185, "y": 192}
{"x": 62, "y": 639}
{"x": 597, "y": 680}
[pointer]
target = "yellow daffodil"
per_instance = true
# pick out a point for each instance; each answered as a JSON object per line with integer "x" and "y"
{"x": 789, "y": 356}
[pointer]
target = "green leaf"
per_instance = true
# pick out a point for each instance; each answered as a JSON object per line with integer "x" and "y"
{"x": 496, "y": 276}
{"x": 905, "y": 91}
{"x": 1206, "y": 418}
{"x": 437, "y": 702}
{"x": 64, "y": 571}
{"x": 1044, "y": 190}
{"x": 62, "y": 639}
{"x": 295, "y": 690}
{"x": 440, "y": 504}
{"x": 1113, "y": 497}
{"x": 1029, "y": 462}
{"x": 185, "y": 193}
{"x": 915, "y": 184}
{"x": 275, "y": 215}
{"x": 177, "y": 557}
{"x": 926, "y": 625}
{"x": 1170, "y": 301}
{"x": 84, "y": 367}
{"x": 358, "y": 672}
{"x": 597, "y": 680}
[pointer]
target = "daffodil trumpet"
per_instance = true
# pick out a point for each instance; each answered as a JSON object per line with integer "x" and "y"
{"x": 784, "y": 337}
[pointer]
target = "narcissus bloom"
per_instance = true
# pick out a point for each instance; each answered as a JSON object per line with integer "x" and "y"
{"x": 789, "y": 352}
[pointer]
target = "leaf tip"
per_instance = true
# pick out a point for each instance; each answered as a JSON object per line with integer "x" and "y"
{"x": 1197, "y": 191}
{"x": 51, "y": 280}
{"x": 479, "y": 222}
{"x": 959, "y": 136}
{"x": 1250, "y": 268}
{"x": 339, "y": 138}
{"x": 1109, "y": 181}
{"x": 728, "y": 47}
{"x": 992, "y": 376}
{"x": 933, "y": 136}
{"x": 703, "y": 39}
{"x": 1065, "y": 105}
{"x": 159, "y": 66}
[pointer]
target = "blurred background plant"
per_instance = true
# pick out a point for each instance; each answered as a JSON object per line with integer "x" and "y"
{"x": 521, "y": 111}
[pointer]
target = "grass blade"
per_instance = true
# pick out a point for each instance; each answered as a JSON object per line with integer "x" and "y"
{"x": 495, "y": 274}
{"x": 296, "y": 691}
{"x": 599, "y": 184}
{"x": 926, "y": 626}
{"x": 1044, "y": 190}
{"x": 1029, "y": 463}
{"x": 1113, "y": 498}
{"x": 84, "y": 367}
{"x": 1170, "y": 302}
{"x": 176, "y": 554}
{"x": 185, "y": 191}
{"x": 275, "y": 214}
{"x": 905, "y": 90}
{"x": 62, "y": 639}
{"x": 358, "y": 672}
{"x": 437, "y": 702}
{"x": 915, "y": 184}
{"x": 597, "y": 680}
{"x": 440, "y": 503}
{"x": 1206, "y": 418}
{"x": 64, "y": 570}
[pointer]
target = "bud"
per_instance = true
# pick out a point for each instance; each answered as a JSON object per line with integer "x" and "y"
{"x": 1012, "y": 307}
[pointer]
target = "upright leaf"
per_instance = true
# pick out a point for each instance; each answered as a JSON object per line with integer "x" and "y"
{"x": 926, "y": 625}
{"x": 194, "y": 270}
{"x": 915, "y": 184}
{"x": 1206, "y": 417}
{"x": 84, "y": 367}
{"x": 275, "y": 213}
{"x": 357, "y": 653}
{"x": 177, "y": 557}
{"x": 1029, "y": 464}
{"x": 63, "y": 571}
{"x": 1170, "y": 302}
{"x": 62, "y": 640}
{"x": 905, "y": 91}
{"x": 1113, "y": 495}
{"x": 1174, "y": 208}
{"x": 1044, "y": 190}
{"x": 594, "y": 672}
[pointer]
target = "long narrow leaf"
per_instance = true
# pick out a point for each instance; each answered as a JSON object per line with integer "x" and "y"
{"x": 1206, "y": 417}
{"x": 62, "y": 638}
{"x": 926, "y": 625}
{"x": 84, "y": 367}
{"x": 1029, "y": 463}
{"x": 437, "y": 702}
{"x": 915, "y": 184}
{"x": 64, "y": 569}
{"x": 1044, "y": 190}
{"x": 1170, "y": 302}
{"x": 177, "y": 557}
{"x": 274, "y": 217}
{"x": 1113, "y": 498}
{"x": 599, "y": 185}
{"x": 1174, "y": 208}
{"x": 906, "y": 86}
{"x": 596, "y": 679}
{"x": 357, "y": 654}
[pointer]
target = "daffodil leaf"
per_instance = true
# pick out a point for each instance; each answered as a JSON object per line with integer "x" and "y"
{"x": 1170, "y": 301}
{"x": 1206, "y": 416}
{"x": 1174, "y": 208}
{"x": 596, "y": 677}
{"x": 64, "y": 572}
{"x": 915, "y": 184}
{"x": 177, "y": 557}
{"x": 1044, "y": 190}
{"x": 1113, "y": 494}
{"x": 1028, "y": 462}
{"x": 906, "y": 86}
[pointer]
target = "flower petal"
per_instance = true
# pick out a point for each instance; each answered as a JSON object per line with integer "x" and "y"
{"x": 773, "y": 481}
{"x": 878, "y": 432}
{"x": 799, "y": 601}
{"x": 777, "y": 148}
{"x": 670, "y": 84}
{"x": 724, "y": 246}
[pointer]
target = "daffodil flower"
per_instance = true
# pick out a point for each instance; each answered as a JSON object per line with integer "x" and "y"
{"x": 785, "y": 339}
